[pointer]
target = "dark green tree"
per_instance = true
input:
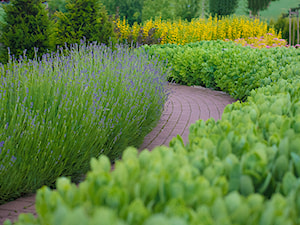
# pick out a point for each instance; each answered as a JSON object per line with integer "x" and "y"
{"x": 27, "y": 26}
{"x": 130, "y": 9}
{"x": 56, "y": 5}
{"x": 222, "y": 7}
{"x": 84, "y": 19}
{"x": 157, "y": 8}
{"x": 187, "y": 9}
{"x": 255, "y": 6}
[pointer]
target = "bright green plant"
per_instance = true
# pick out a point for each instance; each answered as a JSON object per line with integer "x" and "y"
{"x": 84, "y": 19}
{"x": 59, "y": 112}
{"x": 210, "y": 64}
{"x": 26, "y": 29}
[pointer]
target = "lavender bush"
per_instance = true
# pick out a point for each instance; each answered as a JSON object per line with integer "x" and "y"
{"x": 59, "y": 111}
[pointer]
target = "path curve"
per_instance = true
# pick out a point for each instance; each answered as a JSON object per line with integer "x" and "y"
{"x": 184, "y": 106}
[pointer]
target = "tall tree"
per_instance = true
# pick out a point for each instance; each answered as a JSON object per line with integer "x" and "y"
{"x": 187, "y": 9}
{"x": 84, "y": 19}
{"x": 130, "y": 9}
{"x": 222, "y": 7}
{"x": 255, "y": 6}
{"x": 157, "y": 8}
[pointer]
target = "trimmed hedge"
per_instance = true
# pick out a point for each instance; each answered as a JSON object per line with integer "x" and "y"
{"x": 225, "y": 66}
{"x": 242, "y": 169}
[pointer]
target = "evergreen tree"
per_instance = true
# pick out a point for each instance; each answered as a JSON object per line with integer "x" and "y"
{"x": 130, "y": 9}
{"x": 84, "y": 19}
{"x": 187, "y": 9}
{"x": 258, "y": 5}
{"x": 222, "y": 7}
{"x": 157, "y": 8}
{"x": 56, "y": 5}
{"x": 27, "y": 26}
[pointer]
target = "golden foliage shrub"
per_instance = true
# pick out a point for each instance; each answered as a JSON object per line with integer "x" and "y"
{"x": 182, "y": 32}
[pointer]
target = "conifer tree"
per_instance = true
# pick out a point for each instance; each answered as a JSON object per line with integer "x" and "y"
{"x": 84, "y": 19}
{"x": 222, "y": 7}
{"x": 258, "y": 5}
{"x": 26, "y": 27}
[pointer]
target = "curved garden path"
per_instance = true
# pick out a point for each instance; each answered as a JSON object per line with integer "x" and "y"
{"x": 184, "y": 106}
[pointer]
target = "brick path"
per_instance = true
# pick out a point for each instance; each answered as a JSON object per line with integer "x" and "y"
{"x": 184, "y": 106}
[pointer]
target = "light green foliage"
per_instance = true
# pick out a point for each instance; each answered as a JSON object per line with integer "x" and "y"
{"x": 58, "y": 113}
{"x": 84, "y": 19}
{"x": 26, "y": 28}
{"x": 226, "y": 66}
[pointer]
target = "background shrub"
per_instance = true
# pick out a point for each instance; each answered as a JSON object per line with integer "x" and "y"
{"x": 183, "y": 32}
{"x": 84, "y": 19}
{"x": 59, "y": 112}
{"x": 26, "y": 27}
{"x": 282, "y": 25}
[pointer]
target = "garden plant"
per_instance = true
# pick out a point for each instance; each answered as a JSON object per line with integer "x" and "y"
{"x": 242, "y": 169}
{"x": 198, "y": 29}
{"x": 87, "y": 106}
{"x": 58, "y": 112}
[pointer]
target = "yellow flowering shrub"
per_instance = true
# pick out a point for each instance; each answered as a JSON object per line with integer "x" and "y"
{"x": 182, "y": 31}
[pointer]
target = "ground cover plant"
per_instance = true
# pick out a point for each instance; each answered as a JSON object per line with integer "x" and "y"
{"x": 242, "y": 169}
{"x": 198, "y": 29}
{"x": 58, "y": 112}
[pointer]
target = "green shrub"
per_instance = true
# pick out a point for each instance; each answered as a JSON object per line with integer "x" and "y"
{"x": 26, "y": 29}
{"x": 84, "y": 19}
{"x": 282, "y": 25}
{"x": 59, "y": 112}
{"x": 224, "y": 65}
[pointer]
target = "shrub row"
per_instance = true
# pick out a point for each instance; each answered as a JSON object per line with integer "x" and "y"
{"x": 182, "y": 32}
{"x": 242, "y": 169}
{"x": 57, "y": 113}
{"x": 225, "y": 66}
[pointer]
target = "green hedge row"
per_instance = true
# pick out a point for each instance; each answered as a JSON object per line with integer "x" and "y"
{"x": 225, "y": 66}
{"x": 242, "y": 169}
